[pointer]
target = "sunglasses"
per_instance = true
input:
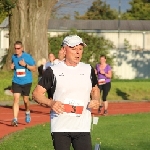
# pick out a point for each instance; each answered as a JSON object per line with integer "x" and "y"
{"x": 18, "y": 48}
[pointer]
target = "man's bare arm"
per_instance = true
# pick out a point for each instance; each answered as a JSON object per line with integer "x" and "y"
{"x": 39, "y": 96}
{"x": 31, "y": 68}
{"x": 95, "y": 98}
{"x": 95, "y": 93}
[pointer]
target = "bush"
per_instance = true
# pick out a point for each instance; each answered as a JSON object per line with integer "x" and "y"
{"x": 96, "y": 46}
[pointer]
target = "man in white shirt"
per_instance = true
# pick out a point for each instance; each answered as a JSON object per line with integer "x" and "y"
{"x": 75, "y": 93}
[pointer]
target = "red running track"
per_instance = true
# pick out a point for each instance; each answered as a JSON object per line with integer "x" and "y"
{"x": 40, "y": 114}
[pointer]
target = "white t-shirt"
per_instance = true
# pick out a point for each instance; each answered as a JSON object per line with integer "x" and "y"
{"x": 73, "y": 87}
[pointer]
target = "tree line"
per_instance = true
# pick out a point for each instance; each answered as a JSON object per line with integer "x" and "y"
{"x": 100, "y": 10}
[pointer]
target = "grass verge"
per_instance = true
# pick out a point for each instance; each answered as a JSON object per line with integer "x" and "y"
{"x": 121, "y": 132}
{"x": 137, "y": 89}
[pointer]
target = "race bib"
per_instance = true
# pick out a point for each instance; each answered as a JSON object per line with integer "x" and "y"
{"x": 20, "y": 72}
{"x": 73, "y": 107}
{"x": 101, "y": 81}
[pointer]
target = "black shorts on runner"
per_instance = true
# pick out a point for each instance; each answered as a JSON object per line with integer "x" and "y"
{"x": 24, "y": 90}
{"x": 78, "y": 140}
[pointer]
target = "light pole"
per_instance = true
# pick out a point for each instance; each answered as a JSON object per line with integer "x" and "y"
{"x": 119, "y": 16}
{"x": 143, "y": 41}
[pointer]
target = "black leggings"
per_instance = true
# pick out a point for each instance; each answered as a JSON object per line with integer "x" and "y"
{"x": 105, "y": 88}
{"x": 79, "y": 140}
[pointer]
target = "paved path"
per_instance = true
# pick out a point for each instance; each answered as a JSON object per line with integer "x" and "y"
{"x": 40, "y": 114}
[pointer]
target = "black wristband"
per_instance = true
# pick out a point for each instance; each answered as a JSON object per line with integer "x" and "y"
{"x": 26, "y": 66}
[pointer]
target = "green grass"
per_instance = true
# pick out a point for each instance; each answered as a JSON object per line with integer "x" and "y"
{"x": 137, "y": 89}
{"x": 6, "y": 80}
{"x": 122, "y": 132}
{"x": 130, "y": 90}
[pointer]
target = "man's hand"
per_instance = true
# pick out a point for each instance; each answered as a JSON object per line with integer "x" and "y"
{"x": 22, "y": 63}
{"x": 94, "y": 104}
{"x": 12, "y": 66}
{"x": 57, "y": 106}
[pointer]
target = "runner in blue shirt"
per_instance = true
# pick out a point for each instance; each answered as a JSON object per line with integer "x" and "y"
{"x": 23, "y": 64}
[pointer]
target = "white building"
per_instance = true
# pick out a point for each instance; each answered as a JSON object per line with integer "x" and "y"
{"x": 125, "y": 34}
{"x": 4, "y": 41}
{"x": 136, "y": 32}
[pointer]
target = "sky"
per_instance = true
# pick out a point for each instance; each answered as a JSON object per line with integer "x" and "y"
{"x": 83, "y": 5}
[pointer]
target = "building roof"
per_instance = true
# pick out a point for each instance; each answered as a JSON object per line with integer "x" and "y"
{"x": 60, "y": 24}
{"x": 136, "y": 25}
{"x": 5, "y": 23}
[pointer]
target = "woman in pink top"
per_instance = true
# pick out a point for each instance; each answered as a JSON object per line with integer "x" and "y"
{"x": 104, "y": 74}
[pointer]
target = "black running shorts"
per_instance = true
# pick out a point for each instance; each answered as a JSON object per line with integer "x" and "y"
{"x": 79, "y": 140}
{"x": 24, "y": 90}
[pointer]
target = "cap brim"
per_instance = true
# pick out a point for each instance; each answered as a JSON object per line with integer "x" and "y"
{"x": 74, "y": 44}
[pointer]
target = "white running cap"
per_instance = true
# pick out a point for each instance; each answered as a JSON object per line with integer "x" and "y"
{"x": 73, "y": 40}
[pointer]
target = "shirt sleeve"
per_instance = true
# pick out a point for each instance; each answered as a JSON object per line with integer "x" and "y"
{"x": 47, "y": 79}
{"x": 29, "y": 59}
{"x": 93, "y": 77}
{"x": 109, "y": 68}
{"x": 32, "y": 61}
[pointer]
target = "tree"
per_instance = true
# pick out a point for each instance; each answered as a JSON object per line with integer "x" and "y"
{"x": 98, "y": 11}
{"x": 62, "y": 9}
{"x": 140, "y": 10}
{"x": 28, "y": 22}
{"x": 2, "y": 12}
{"x": 96, "y": 46}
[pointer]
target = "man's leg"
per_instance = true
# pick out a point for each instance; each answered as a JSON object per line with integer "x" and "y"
{"x": 26, "y": 103}
{"x": 16, "y": 93}
{"x": 15, "y": 109}
{"x": 25, "y": 92}
{"x": 16, "y": 105}
{"x": 61, "y": 140}
{"x": 81, "y": 140}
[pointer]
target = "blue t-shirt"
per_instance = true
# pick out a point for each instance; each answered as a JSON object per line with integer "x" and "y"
{"x": 22, "y": 75}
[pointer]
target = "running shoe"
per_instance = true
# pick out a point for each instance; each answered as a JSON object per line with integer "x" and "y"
{"x": 28, "y": 118}
{"x": 14, "y": 122}
{"x": 105, "y": 112}
{"x": 100, "y": 109}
